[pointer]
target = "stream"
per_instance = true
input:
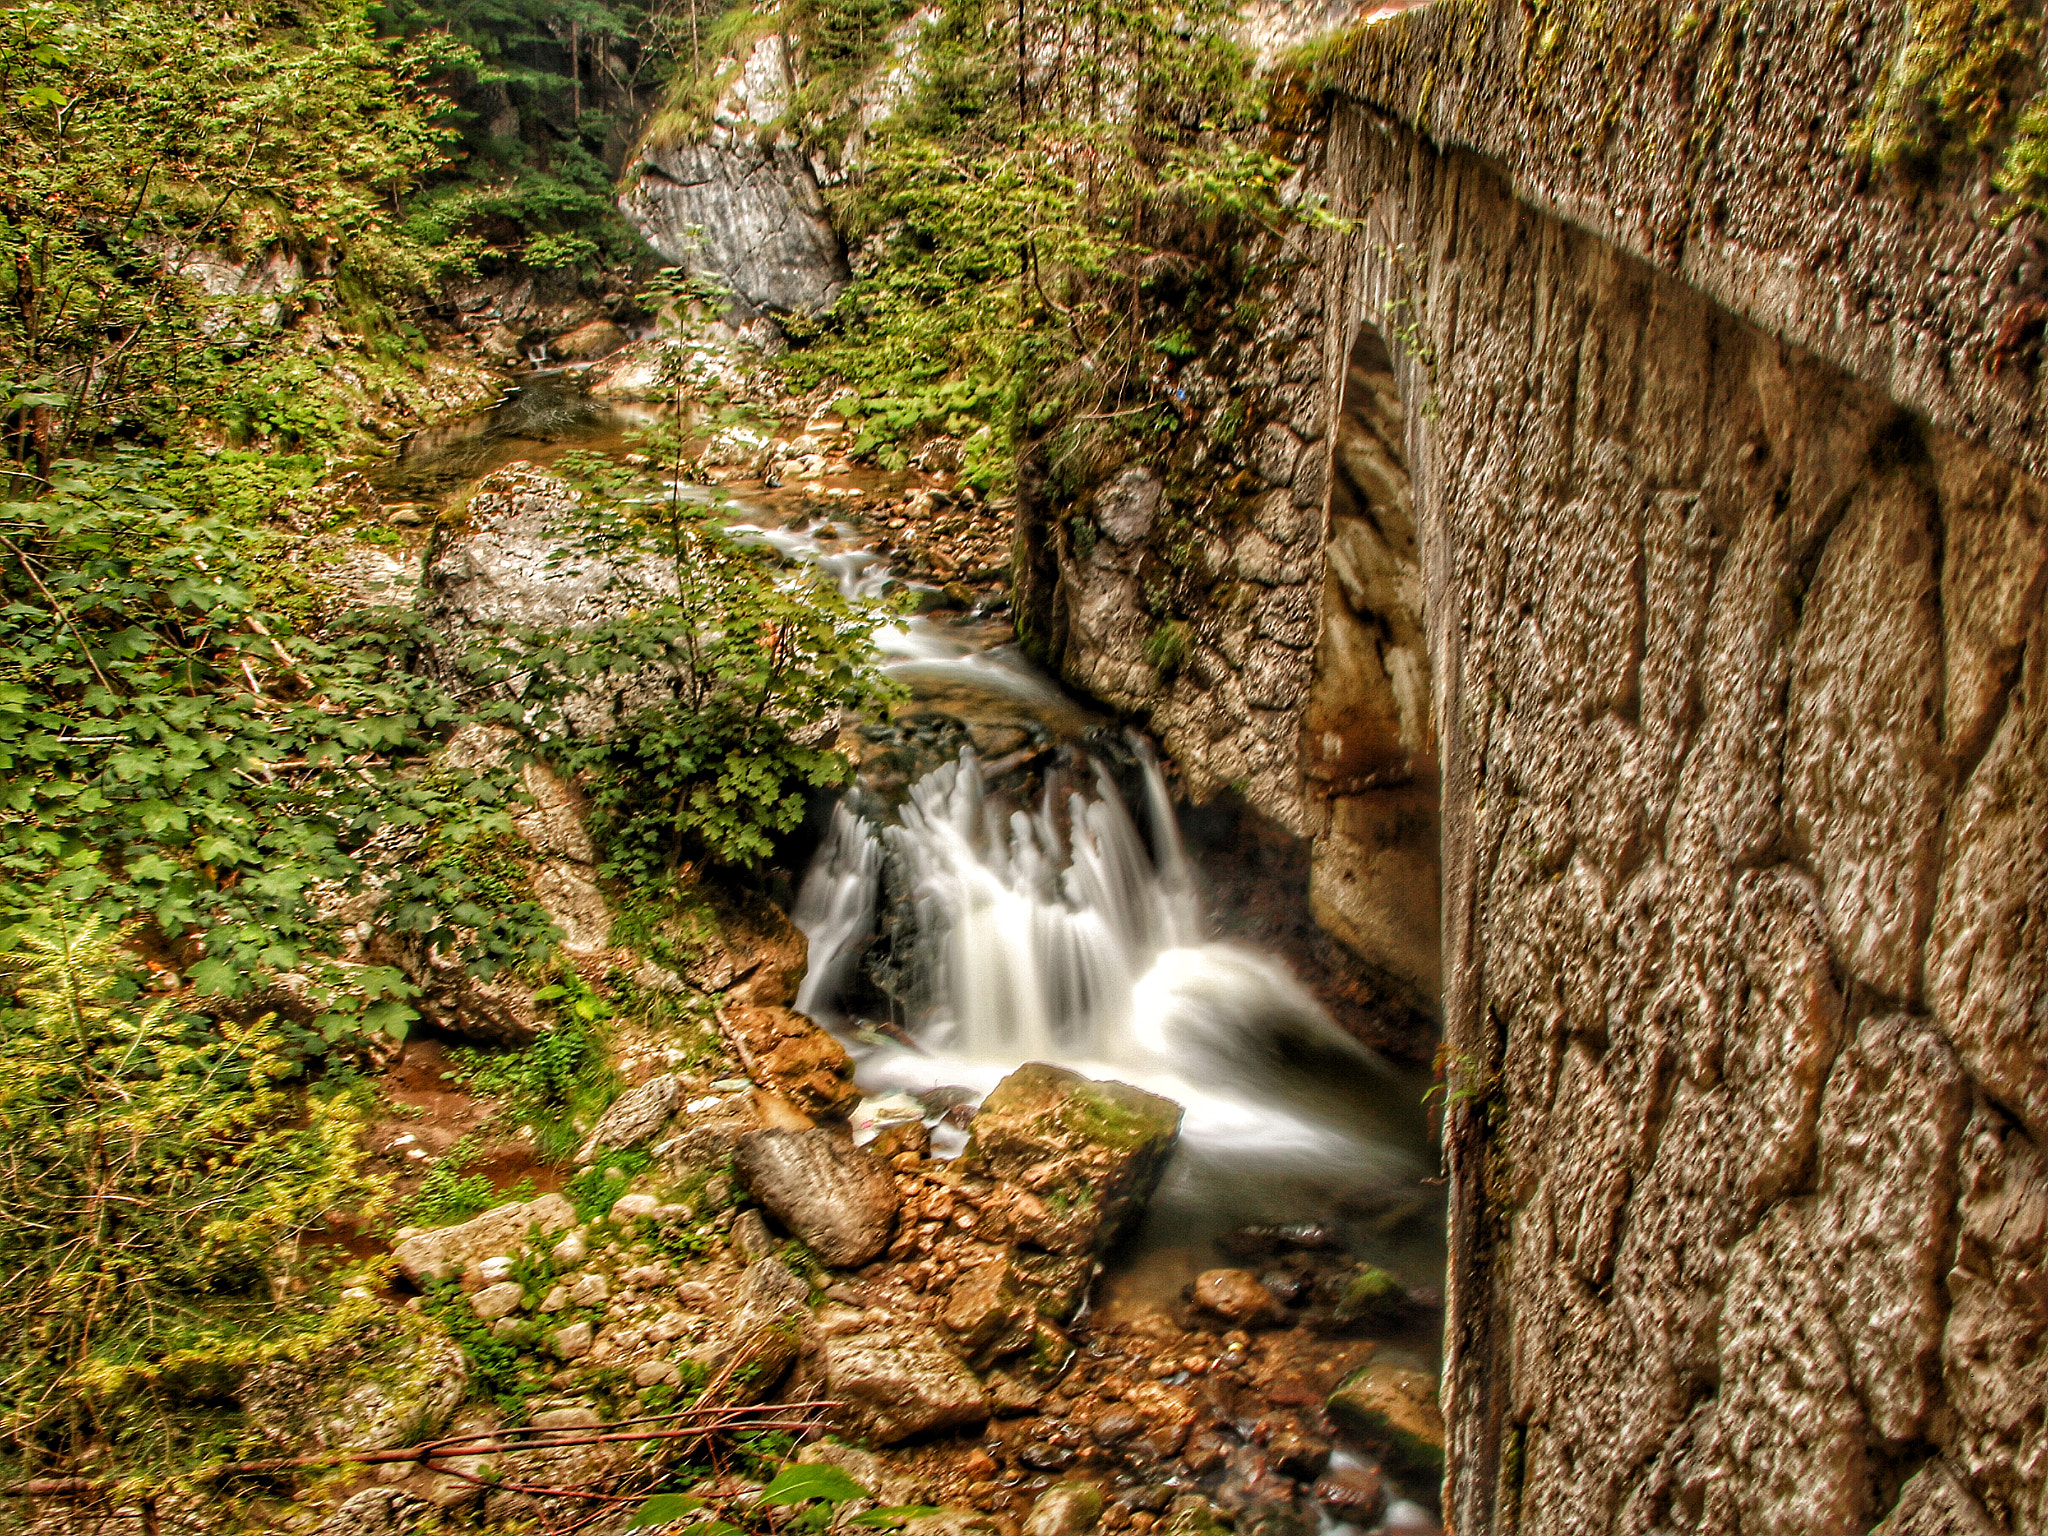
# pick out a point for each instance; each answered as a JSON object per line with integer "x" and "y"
{"x": 1008, "y": 881}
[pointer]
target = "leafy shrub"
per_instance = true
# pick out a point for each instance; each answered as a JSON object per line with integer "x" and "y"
{"x": 558, "y": 1085}
{"x": 159, "y": 1185}
{"x": 170, "y": 753}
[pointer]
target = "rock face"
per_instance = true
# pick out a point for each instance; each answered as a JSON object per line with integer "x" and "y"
{"x": 839, "y": 1201}
{"x": 734, "y": 207}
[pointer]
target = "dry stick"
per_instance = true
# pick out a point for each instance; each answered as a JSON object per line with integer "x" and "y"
{"x": 730, "y": 1416}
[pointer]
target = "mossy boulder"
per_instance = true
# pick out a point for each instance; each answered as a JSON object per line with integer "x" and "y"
{"x": 1081, "y": 1156}
{"x": 1372, "y": 1298}
{"x": 1394, "y": 1411}
{"x": 394, "y": 1381}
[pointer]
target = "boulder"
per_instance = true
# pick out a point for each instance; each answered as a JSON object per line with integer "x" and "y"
{"x": 1353, "y": 1493}
{"x": 839, "y": 1201}
{"x": 893, "y": 1383}
{"x": 792, "y": 1056}
{"x": 496, "y": 1301}
{"x": 1372, "y": 1298}
{"x": 1065, "y": 1509}
{"x": 635, "y": 1116}
{"x": 1082, "y": 1155}
{"x": 1394, "y": 1411}
{"x": 588, "y": 342}
{"x": 1234, "y": 1295}
{"x": 990, "y": 1310}
{"x": 394, "y": 1382}
{"x": 445, "y": 1252}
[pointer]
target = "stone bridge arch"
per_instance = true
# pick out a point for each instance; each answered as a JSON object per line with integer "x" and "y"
{"x": 1368, "y": 745}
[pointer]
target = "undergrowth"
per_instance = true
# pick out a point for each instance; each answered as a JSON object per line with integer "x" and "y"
{"x": 556, "y": 1087}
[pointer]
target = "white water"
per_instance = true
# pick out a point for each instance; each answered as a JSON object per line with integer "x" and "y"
{"x": 1055, "y": 934}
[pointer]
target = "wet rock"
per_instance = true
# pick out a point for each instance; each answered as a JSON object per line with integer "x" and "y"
{"x": 635, "y": 1116}
{"x": 1082, "y": 1156}
{"x": 1011, "y": 1395}
{"x": 444, "y": 1252}
{"x": 1296, "y": 1452}
{"x": 1352, "y": 1493}
{"x": 1046, "y": 1456}
{"x": 1395, "y": 1411}
{"x": 990, "y": 1311}
{"x": 788, "y": 1053}
{"x": 898, "y": 1382}
{"x": 1193, "y": 1515}
{"x": 839, "y": 1201}
{"x": 1066, "y": 1509}
{"x": 912, "y": 1138}
{"x": 1284, "y": 1285}
{"x": 1372, "y": 1298}
{"x": 1234, "y": 1295}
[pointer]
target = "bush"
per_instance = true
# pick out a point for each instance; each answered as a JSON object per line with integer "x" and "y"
{"x": 160, "y": 1184}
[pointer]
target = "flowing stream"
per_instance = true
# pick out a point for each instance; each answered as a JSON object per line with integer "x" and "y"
{"x": 1007, "y": 883}
{"x": 1041, "y": 906}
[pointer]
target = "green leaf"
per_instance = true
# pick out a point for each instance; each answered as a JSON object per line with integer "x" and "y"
{"x": 800, "y": 1482}
{"x": 893, "y": 1516}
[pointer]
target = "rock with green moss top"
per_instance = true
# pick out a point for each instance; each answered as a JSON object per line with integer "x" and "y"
{"x": 1395, "y": 1412}
{"x": 1065, "y": 1509}
{"x": 395, "y": 1381}
{"x": 1193, "y": 1515}
{"x": 1372, "y": 1298}
{"x": 1081, "y": 1156}
{"x": 442, "y": 1253}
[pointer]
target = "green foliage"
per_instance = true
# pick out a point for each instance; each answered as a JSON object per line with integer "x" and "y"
{"x": 596, "y": 1189}
{"x": 1022, "y": 228}
{"x": 1964, "y": 67}
{"x": 146, "y": 148}
{"x": 159, "y": 1184}
{"x": 535, "y": 187}
{"x": 169, "y": 753}
{"x": 1168, "y": 645}
{"x": 450, "y": 1193}
{"x": 715, "y": 672}
{"x": 558, "y": 1085}
{"x": 803, "y": 1482}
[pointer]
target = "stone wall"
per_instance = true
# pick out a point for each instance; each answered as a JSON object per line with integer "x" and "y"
{"x": 1709, "y": 470}
{"x": 1743, "y": 685}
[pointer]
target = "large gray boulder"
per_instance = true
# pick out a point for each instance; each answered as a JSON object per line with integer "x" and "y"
{"x": 740, "y": 207}
{"x": 838, "y": 1200}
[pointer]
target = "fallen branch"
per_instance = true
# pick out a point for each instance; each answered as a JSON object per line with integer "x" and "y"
{"x": 499, "y": 1442}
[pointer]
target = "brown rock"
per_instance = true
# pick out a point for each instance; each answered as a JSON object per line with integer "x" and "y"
{"x": 1354, "y": 1494}
{"x": 839, "y": 1201}
{"x": 599, "y": 338}
{"x": 1234, "y": 1295}
{"x": 788, "y": 1054}
{"x": 898, "y": 1382}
